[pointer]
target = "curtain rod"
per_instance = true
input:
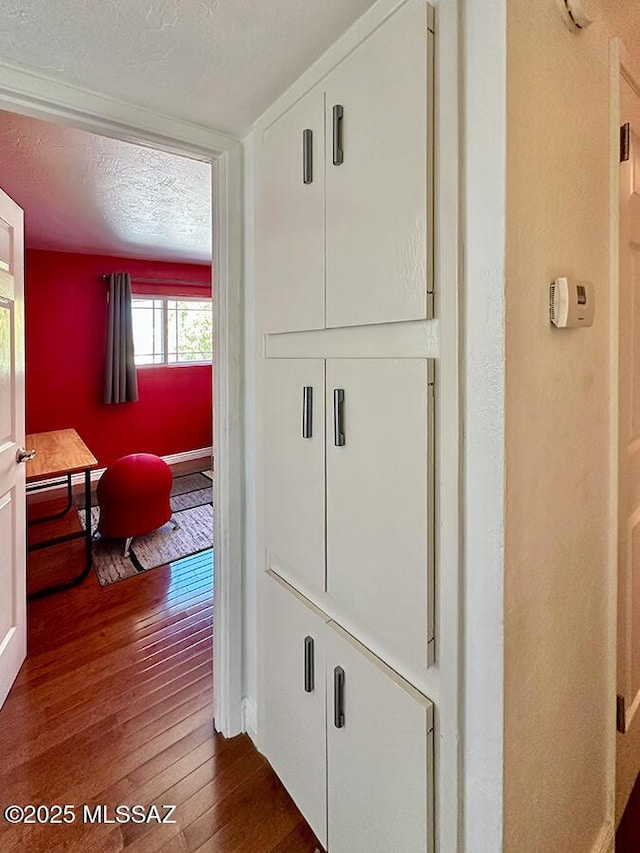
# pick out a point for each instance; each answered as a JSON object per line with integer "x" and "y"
{"x": 105, "y": 277}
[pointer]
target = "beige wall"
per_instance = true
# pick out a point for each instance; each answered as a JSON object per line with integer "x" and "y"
{"x": 558, "y": 709}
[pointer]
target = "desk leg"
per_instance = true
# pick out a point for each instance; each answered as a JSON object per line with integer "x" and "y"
{"x": 63, "y": 512}
{"x": 49, "y": 590}
{"x": 87, "y": 522}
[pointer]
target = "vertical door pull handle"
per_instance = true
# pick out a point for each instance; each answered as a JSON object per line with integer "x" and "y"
{"x": 338, "y": 153}
{"x": 307, "y": 156}
{"x": 307, "y": 411}
{"x": 340, "y": 438}
{"x": 338, "y": 697}
{"x": 309, "y": 673}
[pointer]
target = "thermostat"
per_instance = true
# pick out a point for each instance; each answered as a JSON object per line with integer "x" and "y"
{"x": 571, "y": 303}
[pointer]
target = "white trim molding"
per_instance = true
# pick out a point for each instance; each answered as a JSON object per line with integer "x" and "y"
{"x": 35, "y": 94}
{"x": 615, "y": 70}
{"x": 250, "y": 718}
{"x": 188, "y": 456}
{"x": 482, "y": 347}
{"x": 228, "y": 503}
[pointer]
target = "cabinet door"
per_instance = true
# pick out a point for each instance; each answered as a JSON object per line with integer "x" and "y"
{"x": 294, "y": 700}
{"x": 379, "y": 761}
{"x": 380, "y": 501}
{"x": 378, "y": 225}
{"x": 294, "y": 471}
{"x": 292, "y": 219}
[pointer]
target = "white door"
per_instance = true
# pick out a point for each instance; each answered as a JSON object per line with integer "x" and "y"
{"x": 379, "y": 756}
{"x": 13, "y": 616}
{"x": 294, "y": 471}
{"x": 378, "y": 237}
{"x": 628, "y": 750}
{"x": 294, "y": 700}
{"x": 380, "y": 499}
{"x": 292, "y": 210}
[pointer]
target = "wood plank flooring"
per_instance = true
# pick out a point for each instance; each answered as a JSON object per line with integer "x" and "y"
{"x": 628, "y": 834}
{"x": 114, "y": 706}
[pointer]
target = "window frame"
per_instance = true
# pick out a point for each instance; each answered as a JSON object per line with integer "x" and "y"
{"x": 165, "y": 298}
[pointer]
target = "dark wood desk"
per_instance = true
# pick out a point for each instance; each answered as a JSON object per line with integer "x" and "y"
{"x": 60, "y": 454}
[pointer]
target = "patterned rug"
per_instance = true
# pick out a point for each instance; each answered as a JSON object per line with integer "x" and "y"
{"x": 191, "y": 498}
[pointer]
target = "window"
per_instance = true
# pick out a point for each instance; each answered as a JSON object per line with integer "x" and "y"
{"x": 172, "y": 331}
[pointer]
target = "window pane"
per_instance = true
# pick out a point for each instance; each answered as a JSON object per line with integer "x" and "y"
{"x": 172, "y": 326}
{"x": 148, "y": 334}
{"x": 188, "y": 335}
{"x": 190, "y": 331}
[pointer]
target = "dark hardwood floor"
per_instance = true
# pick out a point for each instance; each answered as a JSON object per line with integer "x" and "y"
{"x": 114, "y": 706}
{"x": 628, "y": 834}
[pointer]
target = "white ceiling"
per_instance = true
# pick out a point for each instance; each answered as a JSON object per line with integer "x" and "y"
{"x": 219, "y": 63}
{"x": 86, "y": 193}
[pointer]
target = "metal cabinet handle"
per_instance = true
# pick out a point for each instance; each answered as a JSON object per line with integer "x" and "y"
{"x": 307, "y": 156}
{"x": 338, "y": 697}
{"x": 339, "y": 437}
{"x": 23, "y": 455}
{"x": 309, "y": 673}
{"x": 307, "y": 411}
{"x": 338, "y": 153}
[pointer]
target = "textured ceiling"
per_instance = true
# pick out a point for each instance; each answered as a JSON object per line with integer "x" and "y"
{"x": 86, "y": 193}
{"x": 220, "y": 63}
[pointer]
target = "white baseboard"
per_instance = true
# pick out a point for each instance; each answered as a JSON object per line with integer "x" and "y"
{"x": 171, "y": 459}
{"x": 250, "y": 718}
{"x": 188, "y": 455}
{"x": 606, "y": 840}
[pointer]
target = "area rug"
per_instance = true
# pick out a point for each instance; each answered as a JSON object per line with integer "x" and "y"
{"x": 191, "y": 504}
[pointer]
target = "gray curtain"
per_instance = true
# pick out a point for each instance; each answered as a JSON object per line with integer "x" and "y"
{"x": 121, "y": 380}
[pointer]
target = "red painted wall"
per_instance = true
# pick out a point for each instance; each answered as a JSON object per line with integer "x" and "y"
{"x": 66, "y": 313}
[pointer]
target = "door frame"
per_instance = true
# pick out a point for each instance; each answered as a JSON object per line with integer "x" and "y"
{"x": 621, "y": 66}
{"x": 39, "y": 96}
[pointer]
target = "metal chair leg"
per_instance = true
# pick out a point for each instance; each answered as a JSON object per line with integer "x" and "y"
{"x": 127, "y": 545}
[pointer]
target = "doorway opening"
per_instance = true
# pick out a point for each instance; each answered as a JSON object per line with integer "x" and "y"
{"x": 98, "y": 209}
{"x": 114, "y": 119}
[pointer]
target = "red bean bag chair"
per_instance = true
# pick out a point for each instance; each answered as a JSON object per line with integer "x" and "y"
{"x": 134, "y": 497}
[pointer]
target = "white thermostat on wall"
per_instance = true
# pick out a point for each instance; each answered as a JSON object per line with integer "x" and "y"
{"x": 571, "y": 303}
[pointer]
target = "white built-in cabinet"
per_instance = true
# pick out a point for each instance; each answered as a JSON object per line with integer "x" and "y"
{"x": 379, "y": 754}
{"x": 346, "y": 192}
{"x": 350, "y": 464}
{"x": 292, "y": 219}
{"x": 294, "y": 498}
{"x": 351, "y": 741}
{"x": 347, "y": 387}
{"x": 379, "y": 499}
{"x": 378, "y": 231}
{"x": 294, "y": 721}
